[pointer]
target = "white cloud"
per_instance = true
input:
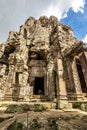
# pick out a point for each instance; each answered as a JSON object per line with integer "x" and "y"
{"x": 13, "y": 13}
{"x": 78, "y": 5}
{"x": 85, "y": 39}
{"x": 59, "y": 8}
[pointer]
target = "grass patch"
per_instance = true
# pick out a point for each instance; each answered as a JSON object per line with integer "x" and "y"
{"x": 25, "y": 108}
{"x": 76, "y": 105}
{"x": 17, "y": 108}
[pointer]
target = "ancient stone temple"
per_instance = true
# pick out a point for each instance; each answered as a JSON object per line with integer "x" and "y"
{"x": 44, "y": 59}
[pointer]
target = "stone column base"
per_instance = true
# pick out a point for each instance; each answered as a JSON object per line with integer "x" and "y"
{"x": 80, "y": 97}
{"x": 61, "y": 104}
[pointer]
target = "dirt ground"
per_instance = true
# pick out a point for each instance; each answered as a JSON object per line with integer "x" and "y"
{"x": 46, "y": 120}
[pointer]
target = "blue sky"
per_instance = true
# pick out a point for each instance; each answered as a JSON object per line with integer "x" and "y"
{"x": 78, "y": 22}
{"x": 14, "y": 13}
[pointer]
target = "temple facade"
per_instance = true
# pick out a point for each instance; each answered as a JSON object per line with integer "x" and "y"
{"x": 43, "y": 59}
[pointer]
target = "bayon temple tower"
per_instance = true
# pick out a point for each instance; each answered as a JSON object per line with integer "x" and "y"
{"x": 43, "y": 60}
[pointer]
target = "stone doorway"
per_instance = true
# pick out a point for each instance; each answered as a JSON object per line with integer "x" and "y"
{"x": 39, "y": 86}
{"x": 81, "y": 77}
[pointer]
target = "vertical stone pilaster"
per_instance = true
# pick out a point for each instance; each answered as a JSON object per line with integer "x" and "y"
{"x": 47, "y": 90}
{"x": 45, "y": 85}
{"x": 76, "y": 80}
{"x": 62, "y": 97}
{"x": 50, "y": 79}
{"x": 10, "y": 80}
{"x": 71, "y": 88}
{"x": 62, "y": 86}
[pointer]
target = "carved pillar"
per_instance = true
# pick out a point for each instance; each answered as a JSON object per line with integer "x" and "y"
{"x": 62, "y": 97}
{"x": 26, "y": 91}
{"x": 62, "y": 86}
{"x": 47, "y": 89}
{"x": 50, "y": 79}
{"x": 45, "y": 85}
{"x": 10, "y": 80}
{"x": 71, "y": 88}
{"x": 76, "y": 80}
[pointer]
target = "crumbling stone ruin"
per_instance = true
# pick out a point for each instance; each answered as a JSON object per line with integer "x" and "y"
{"x": 44, "y": 59}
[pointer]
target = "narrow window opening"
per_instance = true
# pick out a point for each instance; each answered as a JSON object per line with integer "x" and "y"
{"x": 7, "y": 70}
{"x": 17, "y": 78}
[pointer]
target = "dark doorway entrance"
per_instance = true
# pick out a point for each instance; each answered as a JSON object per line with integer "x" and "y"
{"x": 39, "y": 86}
{"x": 81, "y": 77}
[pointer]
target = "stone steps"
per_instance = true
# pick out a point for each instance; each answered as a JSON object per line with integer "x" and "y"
{"x": 33, "y": 98}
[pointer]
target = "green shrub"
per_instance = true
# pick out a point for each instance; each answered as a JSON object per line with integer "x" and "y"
{"x": 24, "y": 108}
{"x": 35, "y": 125}
{"x": 39, "y": 107}
{"x": 16, "y": 126}
{"x": 76, "y": 105}
{"x": 17, "y": 108}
